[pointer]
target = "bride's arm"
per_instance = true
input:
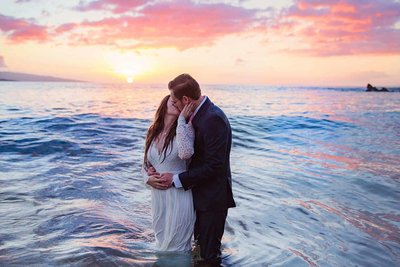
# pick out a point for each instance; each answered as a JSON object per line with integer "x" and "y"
{"x": 185, "y": 138}
{"x": 148, "y": 174}
{"x": 145, "y": 176}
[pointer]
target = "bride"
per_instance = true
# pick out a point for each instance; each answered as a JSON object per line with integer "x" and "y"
{"x": 169, "y": 146}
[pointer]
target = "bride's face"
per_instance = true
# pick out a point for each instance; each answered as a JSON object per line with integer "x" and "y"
{"x": 171, "y": 108}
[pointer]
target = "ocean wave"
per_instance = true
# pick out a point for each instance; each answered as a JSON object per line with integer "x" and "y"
{"x": 315, "y": 176}
{"x": 42, "y": 148}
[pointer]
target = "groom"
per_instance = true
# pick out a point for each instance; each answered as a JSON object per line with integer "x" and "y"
{"x": 209, "y": 174}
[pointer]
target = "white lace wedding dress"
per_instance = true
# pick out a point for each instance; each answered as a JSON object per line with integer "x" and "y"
{"x": 172, "y": 209}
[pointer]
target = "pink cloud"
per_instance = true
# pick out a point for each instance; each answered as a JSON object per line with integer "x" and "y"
{"x": 66, "y": 28}
{"x": 343, "y": 26}
{"x": 323, "y": 28}
{"x": 116, "y": 6}
{"x": 163, "y": 25}
{"x": 22, "y": 30}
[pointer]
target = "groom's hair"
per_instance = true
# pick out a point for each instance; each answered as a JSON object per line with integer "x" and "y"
{"x": 185, "y": 85}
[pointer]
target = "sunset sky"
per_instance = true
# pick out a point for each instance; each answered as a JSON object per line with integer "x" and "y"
{"x": 299, "y": 42}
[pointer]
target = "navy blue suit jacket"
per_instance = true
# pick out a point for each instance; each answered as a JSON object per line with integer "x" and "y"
{"x": 209, "y": 173}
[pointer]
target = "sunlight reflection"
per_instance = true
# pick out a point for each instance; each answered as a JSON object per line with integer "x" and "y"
{"x": 304, "y": 257}
{"x": 370, "y": 223}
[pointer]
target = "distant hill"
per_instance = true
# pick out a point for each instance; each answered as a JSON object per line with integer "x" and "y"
{"x": 24, "y": 77}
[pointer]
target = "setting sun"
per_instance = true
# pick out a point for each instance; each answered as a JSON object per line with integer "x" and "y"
{"x": 128, "y": 65}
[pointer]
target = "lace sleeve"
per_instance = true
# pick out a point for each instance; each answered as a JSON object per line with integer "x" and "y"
{"x": 185, "y": 138}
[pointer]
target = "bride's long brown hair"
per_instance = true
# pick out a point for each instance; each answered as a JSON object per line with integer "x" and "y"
{"x": 156, "y": 128}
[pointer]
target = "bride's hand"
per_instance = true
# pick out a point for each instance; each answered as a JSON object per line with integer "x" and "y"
{"x": 151, "y": 171}
{"x": 187, "y": 110}
{"x": 157, "y": 182}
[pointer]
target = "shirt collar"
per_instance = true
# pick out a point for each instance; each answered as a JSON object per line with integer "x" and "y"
{"x": 197, "y": 109}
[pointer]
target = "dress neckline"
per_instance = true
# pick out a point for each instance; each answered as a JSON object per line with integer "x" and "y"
{"x": 154, "y": 144}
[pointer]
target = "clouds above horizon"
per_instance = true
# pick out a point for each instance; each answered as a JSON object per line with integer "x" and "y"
{"x": 343, "y": 27}
{"x": 164, "y": 24}
{"x": 22, "y": 30}
{"x": 323, "y": 28}
{"x": 115, "y": 6}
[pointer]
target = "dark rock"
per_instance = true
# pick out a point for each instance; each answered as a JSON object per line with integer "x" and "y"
{"x": 371, "y": 88}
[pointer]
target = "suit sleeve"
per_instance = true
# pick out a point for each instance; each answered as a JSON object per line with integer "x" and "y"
{"x": 215, "y": 140}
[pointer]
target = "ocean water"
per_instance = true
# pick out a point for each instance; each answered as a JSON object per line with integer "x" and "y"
{"x": 316, "y": 176}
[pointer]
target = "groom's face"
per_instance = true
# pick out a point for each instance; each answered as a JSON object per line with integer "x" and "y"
{"x": 176, "y": 102}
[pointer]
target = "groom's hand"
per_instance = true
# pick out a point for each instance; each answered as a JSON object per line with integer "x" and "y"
{"x": 167, "y": 177}
{"x": 157, "y": 182}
